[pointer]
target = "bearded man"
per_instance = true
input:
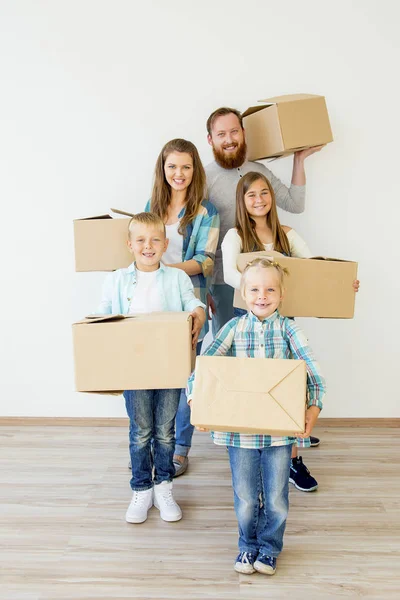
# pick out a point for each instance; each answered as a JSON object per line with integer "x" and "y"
{"x": 226, "y": 135}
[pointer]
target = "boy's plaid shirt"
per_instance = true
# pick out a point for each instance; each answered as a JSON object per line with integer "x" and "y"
{"x": 274, "y": 337}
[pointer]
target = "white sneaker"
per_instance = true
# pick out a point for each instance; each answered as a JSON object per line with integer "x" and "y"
{"x": 164, "y": 501}
{"x": 140, "y": 504}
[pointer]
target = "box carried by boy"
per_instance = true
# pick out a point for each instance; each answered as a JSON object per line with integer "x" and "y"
{"x": 146, "y": 351}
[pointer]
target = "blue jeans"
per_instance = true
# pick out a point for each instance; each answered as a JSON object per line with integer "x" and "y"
{"x": 184, "y": 428}
{"x": 151, "y": 417}
{"x": 223, "y": 298}
{"x": 261, "y": 474}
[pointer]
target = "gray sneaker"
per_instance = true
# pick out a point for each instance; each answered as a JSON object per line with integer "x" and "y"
{"x": 180, "y": 467}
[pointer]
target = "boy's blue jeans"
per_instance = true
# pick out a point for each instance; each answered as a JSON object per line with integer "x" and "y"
{"x": 261, "y": 474}
{"x": 151, "y": 417}
{"x": 184, "y": 429}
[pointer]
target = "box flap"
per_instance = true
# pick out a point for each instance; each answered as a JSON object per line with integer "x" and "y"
{"x": 266, "y": 381}
{"x": 329, "y": 258}
{"x": 121, "y": 212}
{"x": 98, "y": 318}
{"x": 154, "y": 316}
{"x": 288, "y": 98}
{"x": 93, "y": 218}
{"x": 252, "y": 109}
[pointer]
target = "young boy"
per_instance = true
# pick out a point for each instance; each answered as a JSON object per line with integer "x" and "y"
{"x": 260, "y": 464}
{"x": 149, "y": 286}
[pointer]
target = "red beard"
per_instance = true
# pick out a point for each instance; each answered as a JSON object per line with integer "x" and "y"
{"x": 231, "y": 161}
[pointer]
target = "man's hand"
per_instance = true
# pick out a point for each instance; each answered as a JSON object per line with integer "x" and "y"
{"x": 311, "y": 418}
{"x": 199, "y": 318}
{"x": 356, "y": 285}
{"x": 303, "y": 154}
{"x": 211, "y": 308}
{"x": 299, "y": 174}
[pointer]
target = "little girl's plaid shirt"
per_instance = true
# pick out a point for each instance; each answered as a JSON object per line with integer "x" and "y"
{"x": 274, "y": 337}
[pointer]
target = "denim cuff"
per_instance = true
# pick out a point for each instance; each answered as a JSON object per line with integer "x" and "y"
{"x": 135, "y": 488}
{"x": 181, "y": 450}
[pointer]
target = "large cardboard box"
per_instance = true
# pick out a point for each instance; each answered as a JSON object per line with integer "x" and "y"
{"x": 315, "y": 287}
{"x": 249, "y": 395}
{"x": 283, "y": 124}
{"x": 100, "y": 243}
{"x": 150, "y": 351}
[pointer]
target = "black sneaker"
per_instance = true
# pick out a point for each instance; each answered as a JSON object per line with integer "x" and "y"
{"x": 244, "y": 563}
{"x": 300, "y": 476}
{"x": 314, "y": 441}
{"x": 265, "y": 564}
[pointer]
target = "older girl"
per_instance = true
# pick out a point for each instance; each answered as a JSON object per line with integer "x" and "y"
{"x": 258, "y": 228}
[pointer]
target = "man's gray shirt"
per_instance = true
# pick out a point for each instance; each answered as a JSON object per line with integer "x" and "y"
{"x": 221, "y": 184}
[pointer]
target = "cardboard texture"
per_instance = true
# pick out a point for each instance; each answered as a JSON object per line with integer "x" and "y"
{"x": 315, "y": 287}
{"x": 100, "y": 243}
{"x": 249, "y": 395}
{"x": 149, "y": 351}
{"x": 283, "y": 124}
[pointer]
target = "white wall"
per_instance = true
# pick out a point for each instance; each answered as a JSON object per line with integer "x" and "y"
{"x": 92, "y": 89}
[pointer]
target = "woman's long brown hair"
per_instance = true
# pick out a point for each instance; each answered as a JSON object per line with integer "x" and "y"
{"x": 196, "y": 192}
{"x": 246, "y": 226}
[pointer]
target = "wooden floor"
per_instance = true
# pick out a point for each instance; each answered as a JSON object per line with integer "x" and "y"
{"x": 64, "y": 492}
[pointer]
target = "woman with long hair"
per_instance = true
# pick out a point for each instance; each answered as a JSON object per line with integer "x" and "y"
{"x": 192, "y": 226}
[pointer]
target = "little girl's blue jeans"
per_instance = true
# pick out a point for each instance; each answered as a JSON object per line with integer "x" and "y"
{"x": 260, "y": 479}
{"x": 151, "y": 418}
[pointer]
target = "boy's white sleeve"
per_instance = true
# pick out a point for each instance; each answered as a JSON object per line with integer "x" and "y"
{"x": 189, "y": 300}
{"x": 298, "y": 247}
{"x": 231, "y": 248}
{"x": 105, "y": 306}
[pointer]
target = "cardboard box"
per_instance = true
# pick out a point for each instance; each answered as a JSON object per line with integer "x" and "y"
{"x": 100, "y": 243}
{"x": 249, "y": 395}
{"x": 315, "y": 287}
{"x": 149, "y": 351}
{"x": 284, "y": 124}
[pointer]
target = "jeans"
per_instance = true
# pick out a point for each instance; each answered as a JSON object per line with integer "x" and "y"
{"x": 184, "y": 428}
{"x": 151, "y": 417}
{"x": 223, "y": 299}
{"x": 260, "y": 480}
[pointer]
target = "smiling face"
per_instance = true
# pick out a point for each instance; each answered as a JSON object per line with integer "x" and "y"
{"x": 258, "y": 199}
{"x": 228, "y": 142}
{"x": 262, "y": 291}
{"x": 147, "y": 243}
{"x": 178, "y": 170}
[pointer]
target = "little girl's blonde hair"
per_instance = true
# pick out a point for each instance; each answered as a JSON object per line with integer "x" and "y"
{"x": 263, "y": 263}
